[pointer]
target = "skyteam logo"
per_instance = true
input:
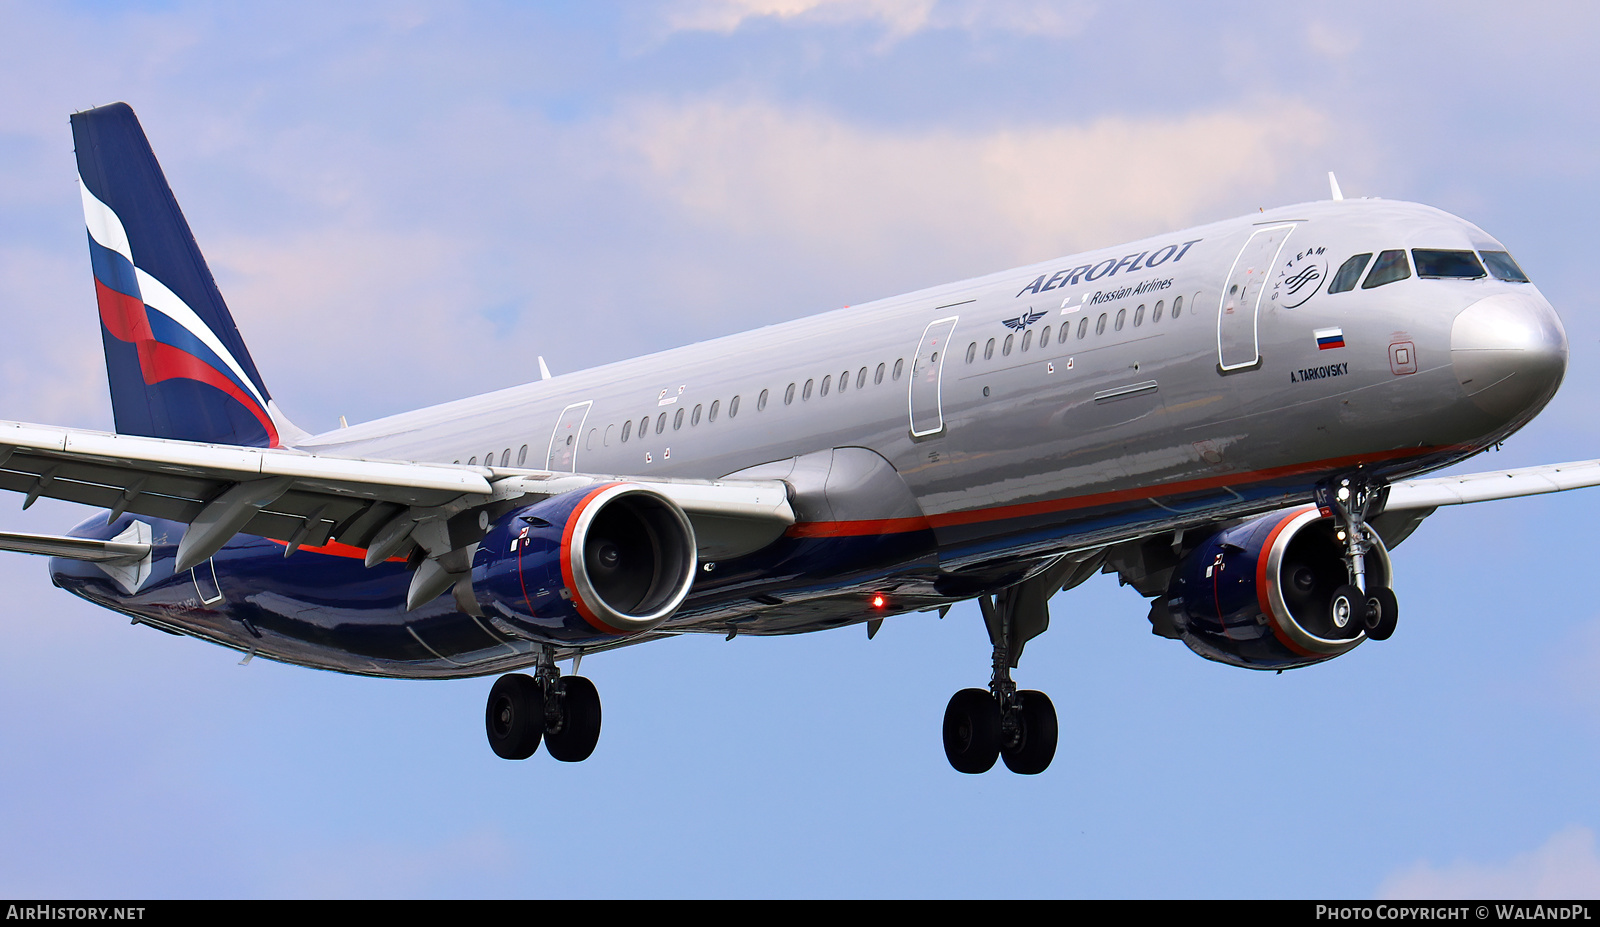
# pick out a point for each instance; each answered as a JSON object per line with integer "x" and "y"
{"x": 1299, "y": 278}
{"x": 171, "y": 341}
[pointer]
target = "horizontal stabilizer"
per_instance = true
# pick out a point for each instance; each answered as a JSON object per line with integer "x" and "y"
{"x": 89, "y": 549}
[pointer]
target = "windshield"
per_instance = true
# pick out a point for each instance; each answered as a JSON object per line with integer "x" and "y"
{"x": 1437, "y": 264}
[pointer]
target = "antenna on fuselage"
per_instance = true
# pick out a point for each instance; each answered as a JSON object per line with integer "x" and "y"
{"x": 1333, "y": 182}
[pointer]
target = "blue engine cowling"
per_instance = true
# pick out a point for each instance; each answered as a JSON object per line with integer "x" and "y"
{"x": 1259, "y": 594}
{"x": 586, "y": 566}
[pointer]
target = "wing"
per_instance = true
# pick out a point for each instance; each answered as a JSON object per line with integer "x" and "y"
{"x": 384, "y": 506}
{"x": 1498, "y": 484}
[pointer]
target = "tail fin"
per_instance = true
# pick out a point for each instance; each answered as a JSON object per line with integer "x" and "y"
{"x": 177, "y": 366}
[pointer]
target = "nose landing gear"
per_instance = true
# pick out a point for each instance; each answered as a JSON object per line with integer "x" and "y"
{"x": 1361, "y": 605}
{"x": 562, "y": 711}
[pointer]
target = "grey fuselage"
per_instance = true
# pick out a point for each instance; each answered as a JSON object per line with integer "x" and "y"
{"x": 1169, "y": 383}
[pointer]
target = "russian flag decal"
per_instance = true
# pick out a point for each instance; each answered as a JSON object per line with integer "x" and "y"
{"x": 1328, "y": 338}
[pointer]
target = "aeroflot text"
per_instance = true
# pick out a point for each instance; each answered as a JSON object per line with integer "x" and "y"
{"x": 1502, "y": 912}
{"x": 1109, "y": 267}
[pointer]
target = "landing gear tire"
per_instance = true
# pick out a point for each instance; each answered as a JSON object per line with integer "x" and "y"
{"x": 1348, "y": 609}
{"x": 1033, "y": 744}
{"x": 972, "y": 731}
{"x": 514, "y": 718}
{"x": 572, "y": 736}
{"x": 1383, "y": 612}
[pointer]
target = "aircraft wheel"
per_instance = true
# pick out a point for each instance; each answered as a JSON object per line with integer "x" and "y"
{"x": 972, "y": 731}
{"x": 514, "y": 717}
{"x": 574, "y": 737}
{"x": 1034, "y": 746}
{"x": 1347, "y": 610}
{"x": 1383, "y": 612}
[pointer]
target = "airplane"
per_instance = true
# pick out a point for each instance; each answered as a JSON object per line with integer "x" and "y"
{"x": 1235, "y": 419}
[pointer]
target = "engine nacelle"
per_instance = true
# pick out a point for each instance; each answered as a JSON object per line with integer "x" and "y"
{"x": 1259, "y": 594}
{"x": 589, "y": 565}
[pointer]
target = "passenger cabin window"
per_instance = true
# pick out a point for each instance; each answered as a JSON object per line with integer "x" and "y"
{"x": 1177, "y": 307}
{"x": 1349, "y": 273}
{"x": 1503, "y": 267}
{"x": 677, "y": 420}
{"x": 1138, "y": 316}
{"x": 522, "y": 455}
{"x": 1005, "y": 350}
{"x": 1066, "y": 329}
{"x": 972, "y": 352}
{"x": 761, "y": 401}
{"x": 988, "y": 352}
{"x": 694, "y": 418}
{"x": 1155, "y": 317}
{"x": 878, "y": 377}
{"x": 1122, "y": 315}
{"x": 1390, "y": 266}
{"x": 1434, "y": 265}
{"x": 1100, "y": 325}
{"x": 1083, "y": 327}
{"x": 1044, "y": 337}
{"x": 661, "y": 423}
{"x": 711, "y": 413}
{"x": 627, "y": 430}
{"x": 788, "y": 395}
{"x": 861, "y": 378}
{"x": 1027, "y": 339}
{"x": 733, "y": 406}
{"x": 805, "y": 394}
{"x": 827, "y": 382}
{"x": 899, "y": 364}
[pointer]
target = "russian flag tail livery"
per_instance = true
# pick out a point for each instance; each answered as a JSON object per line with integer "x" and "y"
{"x": 177, "y": 366}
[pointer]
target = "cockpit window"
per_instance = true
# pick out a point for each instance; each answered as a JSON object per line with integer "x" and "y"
{"x": 1503, "y": 267}
{"x": 1390, "y": 266}
{"x": 1437, "y": 264}
{"x": 1349, "y": 273}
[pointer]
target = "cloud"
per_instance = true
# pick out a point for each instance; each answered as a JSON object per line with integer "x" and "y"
{"x": 1567, "y": 866}
{"x": 1009, "y": 194}
{"x": 898, "y": 18}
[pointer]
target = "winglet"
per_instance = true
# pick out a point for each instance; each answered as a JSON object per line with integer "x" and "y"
{"x": 544, "y": 372}
{"x": 1334, "y": 183}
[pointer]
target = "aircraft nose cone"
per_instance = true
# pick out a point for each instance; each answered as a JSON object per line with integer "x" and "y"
{"x": 1509, "y": 353}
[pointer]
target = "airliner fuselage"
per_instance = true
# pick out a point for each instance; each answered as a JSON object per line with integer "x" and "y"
{"x": 947, "y": 443}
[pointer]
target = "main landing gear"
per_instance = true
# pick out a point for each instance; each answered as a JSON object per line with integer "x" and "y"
{"x": 1003, "y": 722}
{"x": 1360, "y": 605}
{"x": 563, "y": 711}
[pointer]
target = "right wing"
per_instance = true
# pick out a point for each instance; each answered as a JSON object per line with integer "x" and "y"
{"x": 385, "y": 507}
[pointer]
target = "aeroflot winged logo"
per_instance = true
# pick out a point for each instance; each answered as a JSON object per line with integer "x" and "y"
{"x": 171, "y": 340}
{"x": 1023, "y": 321}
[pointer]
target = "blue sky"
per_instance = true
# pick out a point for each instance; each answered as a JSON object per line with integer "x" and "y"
{"x": 406, "y": 202}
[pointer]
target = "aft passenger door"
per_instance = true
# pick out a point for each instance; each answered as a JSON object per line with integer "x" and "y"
{"x": 927, "y": 411}
{"x": 564, "y": 441}
{"x": 1239, "y": 313}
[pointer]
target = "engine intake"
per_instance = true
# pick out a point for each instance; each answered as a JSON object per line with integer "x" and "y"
{"x": 1259, "y": 594}
{"x": 591, "y": 564}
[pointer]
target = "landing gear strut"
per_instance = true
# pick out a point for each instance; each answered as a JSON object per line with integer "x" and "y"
{"x": 1360, "y": 605}
{"x": 1018, "y": 726}
{"x": 563, "y": 711}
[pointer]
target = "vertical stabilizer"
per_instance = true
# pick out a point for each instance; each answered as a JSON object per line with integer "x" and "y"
{"x": 177, "y": 366}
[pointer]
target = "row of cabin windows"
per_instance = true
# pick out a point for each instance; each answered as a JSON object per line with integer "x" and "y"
{"x": 1065, "y": 331}
{"x": 710, "y": 414}
{"x": 1432, "y": 264}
